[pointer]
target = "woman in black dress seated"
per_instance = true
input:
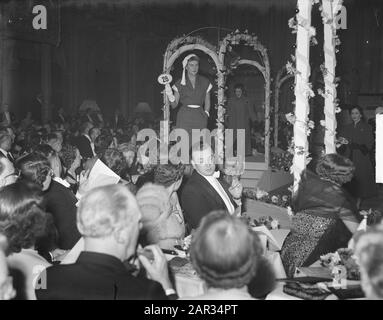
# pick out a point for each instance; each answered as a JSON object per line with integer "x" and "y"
{"x": 325, "y": 215}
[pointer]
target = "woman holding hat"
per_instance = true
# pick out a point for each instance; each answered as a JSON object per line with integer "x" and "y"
{"x": 193, "y": 92}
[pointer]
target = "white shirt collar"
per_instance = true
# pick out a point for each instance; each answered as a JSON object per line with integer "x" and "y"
{"x": 62, "y": 182}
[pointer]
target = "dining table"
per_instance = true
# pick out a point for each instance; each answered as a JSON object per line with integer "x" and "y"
{"x": 189, "y": 284}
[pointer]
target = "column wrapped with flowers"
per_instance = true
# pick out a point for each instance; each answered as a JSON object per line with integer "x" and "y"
{"x": 329, "y": 10}
{"x": 302, "y": 89}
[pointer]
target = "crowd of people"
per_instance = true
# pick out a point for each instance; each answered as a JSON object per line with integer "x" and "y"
{"x": 49, "y": 208}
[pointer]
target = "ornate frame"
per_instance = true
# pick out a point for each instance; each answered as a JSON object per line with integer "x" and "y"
{"x": 236, "y": 38}
{"x": 282, "y": 76}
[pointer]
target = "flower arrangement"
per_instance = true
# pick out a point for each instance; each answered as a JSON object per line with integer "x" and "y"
{"x": 342, "y": 257}
{"x": 281, "y": 161}
{"x": 268, "y": 222}
{"x": 260, "y": 195}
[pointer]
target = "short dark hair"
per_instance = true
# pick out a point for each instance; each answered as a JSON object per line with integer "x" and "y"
{"x": 115, "y": 160}
{"x": 359, "y": 108}
{"x": 224, "y": 251}
{"x": 34, "y": 168}
{"x": 103, "y": 143}
{"x": 68, "y": 155}
{"x": 167, "y": 174}
{"x": 239, "y": 86}
{"x": 336, "y": 168}
{"x": 22, "y": 219}
{"x": 45, "y": 150}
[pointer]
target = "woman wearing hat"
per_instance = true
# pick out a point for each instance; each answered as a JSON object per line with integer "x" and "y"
{"x": 193, "y": 92}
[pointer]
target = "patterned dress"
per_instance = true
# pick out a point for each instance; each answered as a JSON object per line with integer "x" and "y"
{"x": 318, "y": 227}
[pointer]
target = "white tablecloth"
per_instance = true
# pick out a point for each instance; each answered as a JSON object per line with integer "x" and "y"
{"x": 190, "y": 285}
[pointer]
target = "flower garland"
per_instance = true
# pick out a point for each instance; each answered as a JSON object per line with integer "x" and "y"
{"x": 175, "y": 44}
{"x": 283, "y": 201}
{"x": 328, "y": 10}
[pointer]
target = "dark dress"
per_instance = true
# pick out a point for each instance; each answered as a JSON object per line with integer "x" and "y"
{"x": 239, "y": 114}
{"x": 192, "y": 118}
{"x": 320, "y": 208}
{"x": 361, "y": 141}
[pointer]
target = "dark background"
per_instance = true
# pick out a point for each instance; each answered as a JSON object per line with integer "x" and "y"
{"x": 85, "y": 39}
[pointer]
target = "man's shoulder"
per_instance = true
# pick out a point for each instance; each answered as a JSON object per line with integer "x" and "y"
{"x": 79, "y": 280}
{"x": 58, "y": 192}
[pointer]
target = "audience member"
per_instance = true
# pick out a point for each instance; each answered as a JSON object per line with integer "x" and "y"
{"x": 327, "y": 208}
{"x": 369, "y": 253}
{"x": 226, "y": 255}
{"x": 7, "y": 291}
{"x": 203, "y": 192}
{"x": 109, "y": 220}
{"x": 22, "y": 221}
{"x": 162, "y": 218}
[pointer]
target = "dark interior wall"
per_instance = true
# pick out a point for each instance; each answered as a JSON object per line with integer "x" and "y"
{"x": 87, "y": 62}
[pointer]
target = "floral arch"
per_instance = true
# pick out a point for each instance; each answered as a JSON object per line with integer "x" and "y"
{"x": 246, "y": 39}
{"x": 282, "y": 76}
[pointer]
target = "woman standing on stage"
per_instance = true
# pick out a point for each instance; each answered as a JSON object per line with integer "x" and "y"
{"x": 239, "y": 114}
{"x": 193, "y": 92}
{"x": 360, "y": 142}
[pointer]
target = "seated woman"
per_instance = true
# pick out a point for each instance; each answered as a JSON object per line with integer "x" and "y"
{"x": 325, "y": 214}
{"x": 369, "y": 253}
{"x": 129, "y": 152}
{"x": 23, "y": 221}
{"x": 59, "y": 200}
{"x": 162, "y": 218}
{"x": 227, "y": 255}
{"x": 6, "y": 285}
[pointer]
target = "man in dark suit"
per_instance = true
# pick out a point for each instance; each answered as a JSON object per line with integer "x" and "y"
{"x": 109, "y": 220}
{"x": 84, "y": 142}
{"x": 203, "y": 192}
{"x": 61, "y": 203}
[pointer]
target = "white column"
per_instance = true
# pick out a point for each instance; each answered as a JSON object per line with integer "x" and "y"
{"x": 302, "y": 109}
{"x": 329, "y": 11}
